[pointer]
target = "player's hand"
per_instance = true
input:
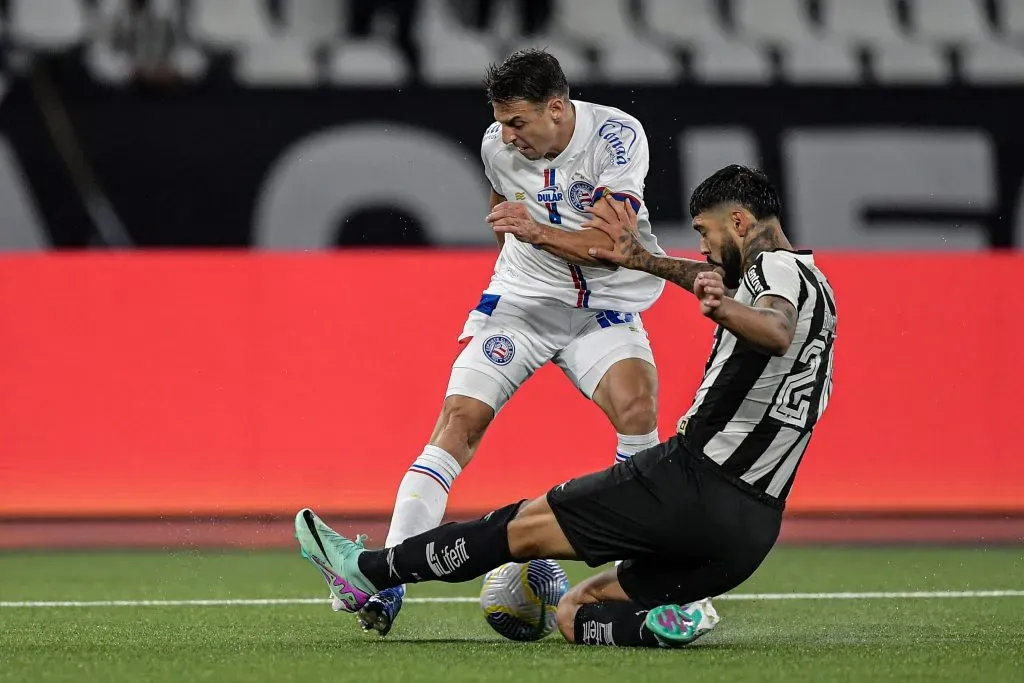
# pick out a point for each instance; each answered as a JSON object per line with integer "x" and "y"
{"x": 512, "y": 218}
{"x": 617, "y": 220}
{"x": 710, "y": 290}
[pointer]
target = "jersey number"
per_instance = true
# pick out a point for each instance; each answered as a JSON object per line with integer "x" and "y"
{"x": 793, "y": 402}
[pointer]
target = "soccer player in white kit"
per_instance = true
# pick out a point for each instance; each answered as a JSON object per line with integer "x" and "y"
{"x": 547, "y": 158}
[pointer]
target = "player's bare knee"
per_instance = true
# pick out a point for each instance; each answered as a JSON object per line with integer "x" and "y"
{"x": 524, "y": 532}
{"x": 534, "y": 533}
{"x": 523, "y": 541}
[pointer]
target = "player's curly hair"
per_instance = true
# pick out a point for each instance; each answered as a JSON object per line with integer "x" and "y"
{"x": 531, "y": 75}
{"x": 748, "y": 187}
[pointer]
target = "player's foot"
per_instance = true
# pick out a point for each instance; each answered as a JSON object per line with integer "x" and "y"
{"x": 708, "y": 615}
{"x": 381, "y": 610}
{"x": 336, "y": 558}
{"x": 676, "y": 626}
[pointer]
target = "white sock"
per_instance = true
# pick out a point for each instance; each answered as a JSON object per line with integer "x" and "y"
{"x": 423, "y": 495}
{"x": 629, "y": 445}
{"x": 421, "y": 500}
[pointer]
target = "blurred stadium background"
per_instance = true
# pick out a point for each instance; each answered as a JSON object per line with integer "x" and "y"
{"x": 238, "y": 239}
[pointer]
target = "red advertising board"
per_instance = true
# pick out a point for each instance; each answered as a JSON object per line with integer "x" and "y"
{"x": 250, "y": 384}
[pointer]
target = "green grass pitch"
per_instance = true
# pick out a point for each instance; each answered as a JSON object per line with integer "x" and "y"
{"x": 857, "y": 640}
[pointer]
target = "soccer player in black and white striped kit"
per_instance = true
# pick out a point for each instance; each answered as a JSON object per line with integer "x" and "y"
{"x": 696, "y": 515}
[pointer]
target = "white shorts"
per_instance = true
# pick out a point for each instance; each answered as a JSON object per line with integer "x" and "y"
{"x": 508, "y": 338}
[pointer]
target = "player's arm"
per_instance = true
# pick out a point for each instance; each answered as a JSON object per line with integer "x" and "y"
{"x": 512, "y": 218}
{"x": 768, "y": 325}
{"x": 488, "y": 147}
{"x": 495, "y": 200}
{"x": 573, "y": 246}
{"x": 679, "y": 271}
{"x": 618, "y": 221}
{"x": 774, "y": 280}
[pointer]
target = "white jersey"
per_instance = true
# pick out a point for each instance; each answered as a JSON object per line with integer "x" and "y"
{"x": 608, "y": 153}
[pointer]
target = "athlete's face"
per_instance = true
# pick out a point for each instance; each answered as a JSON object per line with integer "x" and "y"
{"x": 531, "y": 127}
{"x": 720, "y": 241}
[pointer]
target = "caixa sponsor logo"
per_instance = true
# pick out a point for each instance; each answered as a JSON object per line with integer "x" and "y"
{"x": 620, "y": 137}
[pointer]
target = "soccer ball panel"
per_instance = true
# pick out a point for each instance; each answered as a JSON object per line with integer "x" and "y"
{"x": 520, "y": 600}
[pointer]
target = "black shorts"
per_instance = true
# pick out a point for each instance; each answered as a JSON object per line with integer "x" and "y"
{"x": 685, "y": 529}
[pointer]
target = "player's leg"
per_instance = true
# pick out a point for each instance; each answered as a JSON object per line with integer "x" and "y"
{"x": 692, "y": 532}
{"x": 451, "y": 553}
{"x": 605, "y": 610}
{"x": 503, "y": 346}
{"x": 628, "y": 395}
{"x": 596, "y": 518}
{"x": 501, "y": 350}
{"x": 423, "y": 493}
{"x": 730, "y": 529}
{"x": 598, "y": 612}
{"x": 610, "y": 361}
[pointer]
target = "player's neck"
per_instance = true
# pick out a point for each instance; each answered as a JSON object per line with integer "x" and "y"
{"x": 568, "y": 126}
{"x": 763, "y": 236}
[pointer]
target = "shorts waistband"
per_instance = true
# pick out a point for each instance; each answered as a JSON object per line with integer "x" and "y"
{"x": 707, "y": 463}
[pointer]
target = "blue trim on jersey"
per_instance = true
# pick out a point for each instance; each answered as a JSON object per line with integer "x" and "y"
{"x": 487, "y": 304}
{"x": 618, "y": 196}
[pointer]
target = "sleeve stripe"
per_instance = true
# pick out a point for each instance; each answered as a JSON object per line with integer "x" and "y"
{"x": 619, "y": 196}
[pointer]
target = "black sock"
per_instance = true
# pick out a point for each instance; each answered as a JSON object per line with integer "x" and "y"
{"x": 452, "y": 553}
{"x": 616, "y": 622}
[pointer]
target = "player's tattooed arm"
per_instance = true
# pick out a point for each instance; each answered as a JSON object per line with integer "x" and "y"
{"x": 618, "y": 221}
{"x": 768, "y": 325}
{"x": 512, "y": 218}
{"x": 679, "y": 271}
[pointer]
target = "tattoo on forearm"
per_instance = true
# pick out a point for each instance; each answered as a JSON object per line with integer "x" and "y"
{"x": 676, "y": 270}
{"x": 778, "y": 305}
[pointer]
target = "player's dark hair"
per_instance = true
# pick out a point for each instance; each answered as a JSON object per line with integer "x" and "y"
{"x": 531, "y": 75}
{"x": 748, "y": 187}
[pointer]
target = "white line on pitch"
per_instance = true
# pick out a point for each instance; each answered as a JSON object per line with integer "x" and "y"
{"x": 879, "y": 595}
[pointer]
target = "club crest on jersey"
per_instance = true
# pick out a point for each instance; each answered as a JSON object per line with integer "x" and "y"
{"x": 499, "y": 349}
{"x": 581, "y": 195}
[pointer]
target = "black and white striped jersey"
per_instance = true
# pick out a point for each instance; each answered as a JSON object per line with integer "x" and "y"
{"x": 753, "y": 413}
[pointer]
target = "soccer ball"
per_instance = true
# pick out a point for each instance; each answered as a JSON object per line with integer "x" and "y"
{"x": 520, "y": 600}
